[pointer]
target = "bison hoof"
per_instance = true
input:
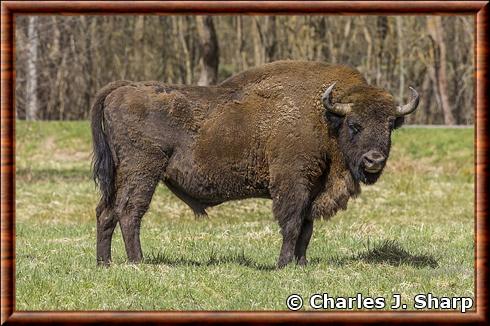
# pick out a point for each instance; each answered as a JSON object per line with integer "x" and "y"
{"x": 283, "y": 262}
{"x": 302, "y": 261}
{"x": 103, "y": 263}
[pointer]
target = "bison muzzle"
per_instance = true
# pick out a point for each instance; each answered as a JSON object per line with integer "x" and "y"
{"x": 304, "y": 134}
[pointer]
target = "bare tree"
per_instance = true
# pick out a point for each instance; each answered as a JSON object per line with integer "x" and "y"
{"x": 209, "y": 51}
{"x": 435, "y": 29}
{"x": 138, "y": 58}
{"x": 32, "y": 69}
{"x": 269, "y": 40}
{"x": 61, "y": 61}
{"x": 401, "y": 57}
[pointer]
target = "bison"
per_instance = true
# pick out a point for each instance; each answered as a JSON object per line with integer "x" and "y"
{"x": 304, "y": 134}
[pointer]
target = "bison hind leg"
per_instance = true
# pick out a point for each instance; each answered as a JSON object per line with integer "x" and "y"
{"x": 136, "y": 181}
{"x": 106, "y": 223}
{"x": 198, "y": 208}
{"x": 132, "y": 202}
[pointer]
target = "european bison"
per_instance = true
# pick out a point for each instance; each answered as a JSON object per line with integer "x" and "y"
{"x": 304, "y": 134}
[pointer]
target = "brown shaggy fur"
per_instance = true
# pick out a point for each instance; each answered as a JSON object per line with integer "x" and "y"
{"x": 261, "y": 133}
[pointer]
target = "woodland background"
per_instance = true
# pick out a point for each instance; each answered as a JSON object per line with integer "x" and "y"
{"x": 62, "y": 61}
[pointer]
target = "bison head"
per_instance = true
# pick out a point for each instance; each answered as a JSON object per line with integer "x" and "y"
{"x": 362, "y": 120}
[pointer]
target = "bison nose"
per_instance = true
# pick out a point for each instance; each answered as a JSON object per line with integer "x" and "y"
{"x": 373, "y": 161}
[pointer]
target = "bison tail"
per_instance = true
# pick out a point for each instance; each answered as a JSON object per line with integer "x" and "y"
{"x": 103, "y": 167}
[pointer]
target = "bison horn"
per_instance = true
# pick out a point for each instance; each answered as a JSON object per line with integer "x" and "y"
{"x": 410, "y": 106}
{"x": 337, "y": 108}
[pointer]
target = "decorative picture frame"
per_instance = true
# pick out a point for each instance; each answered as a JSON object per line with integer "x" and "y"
{"x": 9, "y": 10}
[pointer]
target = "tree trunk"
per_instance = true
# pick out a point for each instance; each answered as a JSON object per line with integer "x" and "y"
{"x": 55, "y": 55}
{"x": 382, "y": 32}
{"x": 271, "y": 39}
{"x": 240, "y": 55}
{"x": 257, "y": 43}
{"x": 434, "y": 25}
{"x": 208, "y": 42}
{"x": 345, "y": 39}
{"x": 368, "y": 64}
{"x": 138, "y": 48}
{"x": 32, "y": 72}
{"x": 181, "y": 31}
{"x": 401, "y": 58}
{"x": 426, "y": 103}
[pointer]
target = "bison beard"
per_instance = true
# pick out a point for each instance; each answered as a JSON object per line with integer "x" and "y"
{"x": 267, "y": 132}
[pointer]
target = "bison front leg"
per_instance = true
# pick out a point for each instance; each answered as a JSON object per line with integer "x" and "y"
{"x": 289, "y": 207}
{"x": 303, "y": 241}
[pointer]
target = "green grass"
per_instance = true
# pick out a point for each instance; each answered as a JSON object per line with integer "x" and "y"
{"x": 411, "y": 233}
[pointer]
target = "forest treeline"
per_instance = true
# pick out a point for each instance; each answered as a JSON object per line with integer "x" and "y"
{"x": 61, "y": 61}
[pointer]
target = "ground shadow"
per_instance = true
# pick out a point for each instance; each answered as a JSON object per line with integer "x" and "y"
{"x": 214, "y": 259}
{"x": 387, "y": 252}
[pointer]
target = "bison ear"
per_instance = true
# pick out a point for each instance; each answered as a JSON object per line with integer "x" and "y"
{"x": 334, "y": 122}
{"x": 399, "y": 122}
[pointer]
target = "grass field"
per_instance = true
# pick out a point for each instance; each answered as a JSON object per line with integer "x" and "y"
{"x": 411, "y": 233}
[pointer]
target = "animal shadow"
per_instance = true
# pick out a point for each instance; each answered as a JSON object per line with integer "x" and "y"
{"x": 214, "y": 260}
{"x": 387, "y": 252}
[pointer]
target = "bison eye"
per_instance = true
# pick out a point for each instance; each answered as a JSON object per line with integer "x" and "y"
{"x": 355, "y": 128}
